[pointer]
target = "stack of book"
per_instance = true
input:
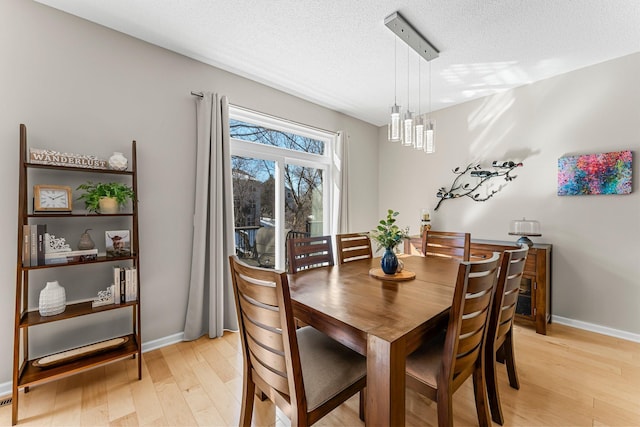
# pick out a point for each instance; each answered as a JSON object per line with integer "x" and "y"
{"x": 70, "y": 256}
{"x": 35, "y": 252}
{"x": 125, "y": 280}
{"x": 33, "y": 247}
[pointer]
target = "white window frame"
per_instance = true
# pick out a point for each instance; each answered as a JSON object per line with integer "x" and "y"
{"x": 281, "y": 157}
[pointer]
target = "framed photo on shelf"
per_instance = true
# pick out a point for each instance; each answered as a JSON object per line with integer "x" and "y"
{"x": 117, "y": 243}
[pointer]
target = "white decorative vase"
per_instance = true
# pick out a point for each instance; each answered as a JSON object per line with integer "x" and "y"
{"x": 118, "y": 161}
{"x": 53, "y": 299}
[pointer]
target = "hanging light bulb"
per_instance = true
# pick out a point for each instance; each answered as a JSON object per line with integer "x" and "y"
{"x": 418, "y": 123}
{"x": 430, "y": 125}
{"x": 429, "y": 137}
{"x": 407, "y": 122}
{"x": 419, "y": 133}
{"x": 407, "y": 129}
{"x": 395, "y": 134}
{"x": 395, "y": 130}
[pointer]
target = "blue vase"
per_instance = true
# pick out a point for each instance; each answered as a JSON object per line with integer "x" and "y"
{"x": 389, "y": 262}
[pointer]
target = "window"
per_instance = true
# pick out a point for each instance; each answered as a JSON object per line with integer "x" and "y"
{"x": 281, "y": 184}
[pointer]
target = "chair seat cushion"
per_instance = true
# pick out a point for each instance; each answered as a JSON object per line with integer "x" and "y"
{"x": 328, "y": 367}
{"x": 425, "y": 362}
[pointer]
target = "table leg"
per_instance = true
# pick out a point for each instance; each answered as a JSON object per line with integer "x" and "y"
{"x": 385, "y": 382}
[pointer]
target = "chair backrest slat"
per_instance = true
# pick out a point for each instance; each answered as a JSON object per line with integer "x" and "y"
{"x": 269, "y": 356}
{"x": 264, "y": 336}
{"x": 274, "y": 380}
{"x": 265, "y": 294}
{"x": 447, "y": 244}
{"x": 259, "y": 313}
{"x": 353, "y": 246}
{"x": 309, "y": 252}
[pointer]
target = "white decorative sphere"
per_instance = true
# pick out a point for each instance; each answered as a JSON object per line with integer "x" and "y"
{"x": 118, "y": 161}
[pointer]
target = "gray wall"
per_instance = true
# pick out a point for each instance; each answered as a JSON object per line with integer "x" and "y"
{"x": 82, "y": 88}
{"x": 595, "y": 238}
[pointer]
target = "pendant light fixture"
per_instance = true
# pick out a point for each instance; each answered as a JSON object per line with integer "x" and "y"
{"x": 417, "y": 132}
{"x": 395, "y": 132}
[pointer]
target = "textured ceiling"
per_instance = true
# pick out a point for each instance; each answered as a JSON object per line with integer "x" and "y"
{"x": 339, "y": 54}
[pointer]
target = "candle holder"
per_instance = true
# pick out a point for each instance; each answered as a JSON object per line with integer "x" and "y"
{"x": 425, "y": 221}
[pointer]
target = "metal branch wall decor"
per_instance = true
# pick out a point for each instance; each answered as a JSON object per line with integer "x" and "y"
{"x": 477, "y": 190}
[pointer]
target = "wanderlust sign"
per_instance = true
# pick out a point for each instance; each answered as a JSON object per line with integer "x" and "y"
{"x": 50, "y": 157}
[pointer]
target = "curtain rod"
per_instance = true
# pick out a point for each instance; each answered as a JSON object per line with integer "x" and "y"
{"x": 200, "y": 95}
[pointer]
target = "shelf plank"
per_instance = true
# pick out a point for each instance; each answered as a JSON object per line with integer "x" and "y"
{"x": 75, "y": 215}
{"x": 32, "y": 375}
{"x": 31, "y": 318}
{"x": 74, "y": 169}
{"x": 99, "y": 259}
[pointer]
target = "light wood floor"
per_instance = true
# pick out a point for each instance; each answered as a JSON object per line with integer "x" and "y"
{"x": 568, "y": 378}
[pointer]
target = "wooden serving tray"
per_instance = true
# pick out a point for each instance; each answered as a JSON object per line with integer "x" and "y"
{"x": 398, "y": 277}
{"x": 76, "y": 353}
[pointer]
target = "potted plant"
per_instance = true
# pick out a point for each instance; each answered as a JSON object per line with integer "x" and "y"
{"x": 105, "y": 197}
{"x": 388, "y": 236}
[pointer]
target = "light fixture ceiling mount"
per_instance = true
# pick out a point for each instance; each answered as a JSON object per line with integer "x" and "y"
{"x": 401, "y": 28}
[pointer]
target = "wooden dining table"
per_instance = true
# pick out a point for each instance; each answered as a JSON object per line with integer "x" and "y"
{"x": 384, "y": 320}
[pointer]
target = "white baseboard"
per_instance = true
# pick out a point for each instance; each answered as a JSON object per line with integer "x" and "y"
{"x": 162, "y": 342}
{"x": 6, "y": 388}
{"x": 604, "y": 330}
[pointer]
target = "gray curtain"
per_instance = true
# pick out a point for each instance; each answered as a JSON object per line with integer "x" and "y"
{"x": 340, "y": 223}
{"x": 211, "y": 306}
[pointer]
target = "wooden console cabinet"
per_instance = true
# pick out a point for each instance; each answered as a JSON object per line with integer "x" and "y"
{"x": 534, "y": 301}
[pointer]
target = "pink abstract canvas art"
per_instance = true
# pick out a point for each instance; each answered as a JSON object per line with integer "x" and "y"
{"x": 603, "y": 173}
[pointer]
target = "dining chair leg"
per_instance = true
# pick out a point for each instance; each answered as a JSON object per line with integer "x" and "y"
{"x": 363, "y": 399}
{"x": 445, "y": 407}
{"x": 249, "y": 390}
{"x": 493, "y": 394}
{"x": 480, "y": 391}
{"x": 510, "y": 360}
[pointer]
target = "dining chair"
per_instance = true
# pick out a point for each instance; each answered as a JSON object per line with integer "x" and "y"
{"x": 291, "y": 234}
{"x": 441, "y": 365}
{"x": 500, "y": 328}
{"x": 353, "y": 246}
{"x": 309, "y": 252}
{"x": 447, "y": 244}
{"x": 303, "y": 372}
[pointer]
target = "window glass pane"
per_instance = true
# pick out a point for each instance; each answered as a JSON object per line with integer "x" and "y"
{"x": 261, "y": 135}
{"x": 303, "y": 200}
{"x": 254, "y": 210}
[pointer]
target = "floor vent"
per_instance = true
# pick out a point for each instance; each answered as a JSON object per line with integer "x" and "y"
{"x": 5, "y": 402}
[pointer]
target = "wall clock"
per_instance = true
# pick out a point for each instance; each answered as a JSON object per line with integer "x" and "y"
{"x": 51, "y": 198}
